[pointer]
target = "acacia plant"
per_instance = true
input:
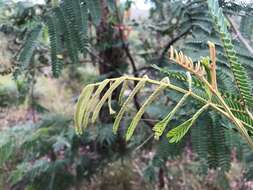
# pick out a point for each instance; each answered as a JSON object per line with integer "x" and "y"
{"x": 236, "y": 108}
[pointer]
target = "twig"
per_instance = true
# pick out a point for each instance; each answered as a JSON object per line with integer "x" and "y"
{"x": 93, "y": 55}
{"x": 145, "y": 116}
{"x": 172, "y": 41}
{"x": 146, "y": 68}
{"x": 178, "y": 37}
{"x": 142, "y": 144}
{"x": 124, "y": 45}
{"x": 239, "y": 35}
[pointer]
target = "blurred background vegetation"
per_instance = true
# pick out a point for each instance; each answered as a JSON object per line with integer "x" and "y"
{"x": 48, "y": 54}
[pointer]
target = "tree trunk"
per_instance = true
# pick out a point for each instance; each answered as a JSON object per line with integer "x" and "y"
{"x": 112, "y": 56}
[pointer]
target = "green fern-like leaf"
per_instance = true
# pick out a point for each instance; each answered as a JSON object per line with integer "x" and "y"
{"x": 122, "y": 91}
{"x": 55, "y": 45}
{"x": 239, "y": 72}
{"x": 86, "y": 106}
{"x": 93, "y": 103}
{"x": 161, "y": 126}
{"x": 68, "y": 37}
{"x": 181, "y": 76}
{"x": 83, "y": 25}
{"x": 29, "y": 47}
{"x": 200, "y": 141}
{"x": 239, "y": 111}
{"x": 76, "y": 15}
{"x": 138, "y": 87}
{"x": 219, "y": 152}
{"x": 139, "y": 114}
{"x": 236, "y": 106}
{"x": 71, "y": 23}
{"x": 179, "y": 132}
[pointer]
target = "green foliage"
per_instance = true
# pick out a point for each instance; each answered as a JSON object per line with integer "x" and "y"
{"x": 178, "y": 75}
{"x": 214, "y": 145}
{"x": 72, "y": 20}
{"x": 233, "y": 101}
{"x": 195, "y": 15}
{"x": 6, "y": 149}
{"x": 67, "y": 25}
{"x": 180, "y": 16}
{"x": 219, "y": 152}
{"x": 49, "y": 155}
{"x": 138, "y": 87}
{"x": 211, "y": 141}
{"x": 200, "y": 138}
{"x": 141, "y": 111}
{"x": 82, "y": 108}
{"x": 203, "y": 132}
{"x": 29, "y": 47}
{"x": 86, "y": 102}
{"x": 179, "y": 132}
{"x": 195, "y": 45}
{"x": 55, "y": 44}
{"x": 166, "y": 150}
{"x": 161, "y": 126}
{"x": 238, "y": 70}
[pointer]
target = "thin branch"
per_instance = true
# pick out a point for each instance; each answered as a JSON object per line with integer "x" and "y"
{"x": 93, "y": 55}
{"x": 172, "y": 41}
{"x": 239, "y": 35}
{"x": 173, "y": 87}
{"x": 146, "y": 68}
{"x": 124, "y": 45}
{"x": 145, "y": 116}
{"x": 144, "y": 143}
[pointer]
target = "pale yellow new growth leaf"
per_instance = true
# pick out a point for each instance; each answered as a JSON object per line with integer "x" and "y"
{"x": 139, "y": 114}
{"x": 122, "y": 91}
{"x": 97, "y": 93}
{"x": 105, "y": 97}
{"x": 93, "y": 102}
{"x": 139, "y": 86}
{"x": 111, "y": 111}
{"x": 82, "y": 105}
